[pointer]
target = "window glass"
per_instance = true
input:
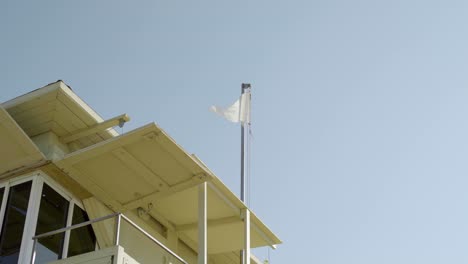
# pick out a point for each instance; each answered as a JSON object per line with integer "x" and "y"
{"x": 2, "y": 191}
{"x": 53, "y": 211}
{"x": 13, "y": 224}
{"x": 82, "y": 240}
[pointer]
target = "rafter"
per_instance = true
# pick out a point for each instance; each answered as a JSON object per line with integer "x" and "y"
{"x": 115, "y": 121}
{"x": 211, "y": 223}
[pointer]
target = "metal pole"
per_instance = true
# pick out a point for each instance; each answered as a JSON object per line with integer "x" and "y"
{"x": 202, "y": 225}
{"x": 117, "y": 229}
{"x": 244, "y": 87}
{"x": 245, "y": 253}
{"x": 246, "y": 236}
{"x": 33, "y": 256}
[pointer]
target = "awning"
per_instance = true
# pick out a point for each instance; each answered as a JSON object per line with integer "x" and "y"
{"x": 146, "y": 168}
{"x": 17, "y": 151}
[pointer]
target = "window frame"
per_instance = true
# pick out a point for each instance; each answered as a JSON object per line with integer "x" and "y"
{"x": 7, "y": 184}
{"x": 38, "y": 179}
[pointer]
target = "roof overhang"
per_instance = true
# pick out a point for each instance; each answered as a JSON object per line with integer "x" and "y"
{"x": 17, "y": 151}
{"x": 146, "y": 168}
{"x": 55, "y": 107}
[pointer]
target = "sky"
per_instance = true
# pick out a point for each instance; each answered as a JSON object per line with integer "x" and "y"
{"x": 359, "y": 113}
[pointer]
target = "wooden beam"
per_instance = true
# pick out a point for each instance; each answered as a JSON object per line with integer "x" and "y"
{"x": 87, "y": 182}
{"x": 115, "y": 121}
{"x": 224, "y": 198}
{"x": 154, "y": 212}
{"x": 141, "y": 170}
{"x": 211, "y": 223}
{"x": 143, "y": 201}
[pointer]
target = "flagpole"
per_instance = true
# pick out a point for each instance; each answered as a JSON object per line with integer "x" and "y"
{"x": 245, "y": 253}
{"x": 239, "y": 112}
{"x": 244, "y": 87}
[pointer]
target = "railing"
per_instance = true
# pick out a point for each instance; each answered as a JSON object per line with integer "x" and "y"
{"x": 119, "y": 217}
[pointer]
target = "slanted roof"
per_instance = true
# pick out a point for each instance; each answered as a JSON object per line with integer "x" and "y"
{"x": 145, "y": 166}
{"x": 140, "y": 168}
{"x": 55, "y": 107}
{"x": 17, "y": 151}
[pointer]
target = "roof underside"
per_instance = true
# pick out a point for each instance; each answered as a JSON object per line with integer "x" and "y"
{"x": 16, "y": 149}
{"x": 145, "y": 166}
{"x": 140, "y": 168}
{"x": 57, "y": 109}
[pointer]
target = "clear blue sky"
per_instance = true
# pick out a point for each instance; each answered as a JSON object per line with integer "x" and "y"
{"x": 360, "y": 108}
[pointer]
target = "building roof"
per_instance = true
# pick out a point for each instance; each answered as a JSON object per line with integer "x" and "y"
{"x": 143, "y": 168}
{"x": 55, "y": 107}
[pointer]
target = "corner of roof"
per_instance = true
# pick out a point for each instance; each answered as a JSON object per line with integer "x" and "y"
{"x": 28, "y": 96}
{"x": 63, "y": 85}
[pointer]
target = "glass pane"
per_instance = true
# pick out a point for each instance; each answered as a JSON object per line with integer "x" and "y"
{"x": 13, "y": 225}
{"x": 53, "y": 212}
{"x": 82, "y": 240}
{"x": 2, "y": 191}
{"x": 140, "y": 247}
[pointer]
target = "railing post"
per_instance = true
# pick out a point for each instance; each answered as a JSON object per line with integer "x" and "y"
{"x": 117, "y": 229}
{"x": 202, "y": 224}
{"x": 33, "y": 255}
{"x": 246, "y": 251}
{"x": 118, "y": 221}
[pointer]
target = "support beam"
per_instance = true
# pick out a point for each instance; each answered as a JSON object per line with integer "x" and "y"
{"x": 202, "y": 224}
{"x": 246, "y": 251}
{"x": 262, "y": 234}
{"x": 211, "y": 223}
{"x": 224, "y": 198}
{"x": 116, "y": 121}
{"x": 140, "y": 169}
{"x": 154, "y": 196}
{"x": 87, "y": 182}
{"x": 173, "y": 240}
{"x": 154, "y": 212}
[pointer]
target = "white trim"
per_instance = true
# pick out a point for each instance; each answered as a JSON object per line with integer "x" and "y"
{"x": 56, "y": 187}
{"x": 263, "y": 235}
{"x": 246, "y": 251}
{"x": 66, "y": 238}
{"x": 8, "y": 184}
{"x": 72, "y": 201}
{"x": 23, "y": 178}
{"x": 76, "y": 99}
{"x": 31, "y": 219}
{"x": 38, "y": 179}
{"x": 202, "y": 224}
{"x": 61, "y": 190}
{"x": 5, "y": 185}
{"x": 223, "y": 197}
{"x": 31, "y": 95}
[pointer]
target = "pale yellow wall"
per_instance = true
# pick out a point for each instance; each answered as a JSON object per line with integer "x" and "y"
{"x": 135, "y": 243}
{"x": 111, "y": 255}
{"x": 50, "y": 146}
{"x": 187, "y": 253}
{"x": 105, "y": 230}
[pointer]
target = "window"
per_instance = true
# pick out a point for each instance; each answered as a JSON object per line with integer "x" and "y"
{"x": 31, "y": 206}
{"x": 82, "y": 240}
{"x": 53, "y": 211}
{"x": 13, "y": 223}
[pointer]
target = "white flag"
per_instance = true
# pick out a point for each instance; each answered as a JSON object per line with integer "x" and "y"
{"x": 237, "y": 112}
